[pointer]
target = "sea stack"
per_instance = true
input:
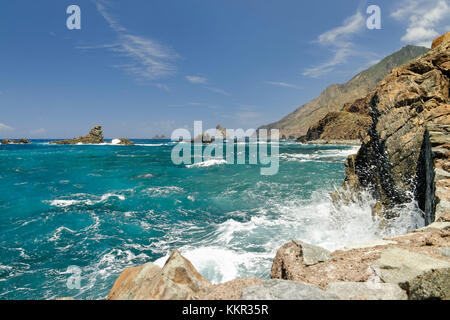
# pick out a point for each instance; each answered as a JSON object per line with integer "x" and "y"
{"x": 95, "y": 136}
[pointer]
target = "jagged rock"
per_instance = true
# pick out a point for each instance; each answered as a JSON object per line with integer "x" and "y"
{"x": 432, "y": 285}
{"x": 403, "y": 267}
{"x": 410, "y": 115}
{"x": 177, "y": 280}
{"x": 135, "y": 283}
{"x": 355, "y": 265}
{"x": 222, "y": 131}
{"x": 122, "y": 141}
{"x": 285, "y": 290}
{"x": 231, "y": 290}
{"x": 351, "y": 123}
{"x": 312, "y": 254}
{"x": 439, "y": 40}
{"x": 296, "y": 254}
{"x": 95, "y": 136}
{"x": 203, "y": 138}
{"x": 21, "y": 141}
{"x": 366, "y": 291}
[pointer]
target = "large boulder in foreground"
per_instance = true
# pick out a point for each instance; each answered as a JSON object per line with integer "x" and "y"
{"x": 285, "y": 290}
{"x": 378, "y": 261}
{"x": 410, "y": 115}
{"x": 231, "y": 290}
{"x": 177, "y": 280}
{"x": 95, "y": 136}
{"x": 366, "y": 291}
{"x": 422, "y": 276}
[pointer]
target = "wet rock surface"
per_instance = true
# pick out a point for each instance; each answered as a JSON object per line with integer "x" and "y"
{"x": 410, "y": 115}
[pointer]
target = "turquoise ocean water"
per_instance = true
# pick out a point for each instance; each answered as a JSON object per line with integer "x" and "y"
{"x": 103, "y": 208}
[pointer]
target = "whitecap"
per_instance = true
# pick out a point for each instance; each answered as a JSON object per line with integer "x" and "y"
{"x": 207, "y": 163}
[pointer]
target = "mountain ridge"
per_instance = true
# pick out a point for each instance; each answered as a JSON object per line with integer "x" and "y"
{"x": 335, "y": 96}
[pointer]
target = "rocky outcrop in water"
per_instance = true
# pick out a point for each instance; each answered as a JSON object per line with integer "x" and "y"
{"x": 21, "y": 141}
{"x": 95, "y": 136}
{"x": 410, "y": 119}
{"x": 159, "y": 137}
{"x": 123, "y": 142}
{"x": 177, "y": 280}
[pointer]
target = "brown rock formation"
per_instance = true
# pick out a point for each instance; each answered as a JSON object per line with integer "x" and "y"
{"x": 21, "y": 141}
{"x": 351, "y": 123}
{"x": 439, "y": 40}
{"x": 410, "y": 114}
{"x": 361, "y": 262}
{"x": 95, "y": 136}
{"x": 177, "y": 280}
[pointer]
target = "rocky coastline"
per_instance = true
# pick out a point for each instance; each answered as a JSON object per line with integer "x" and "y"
{"x": 404, "y": 157}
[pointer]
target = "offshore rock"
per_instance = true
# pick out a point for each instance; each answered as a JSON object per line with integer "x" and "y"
{"x": 21, "y": 141}
{"x": 123, "y": 142}
{"x": 410, "y": 115}
{"x": 95, "y": 136}
{"x": 177, "y": 280}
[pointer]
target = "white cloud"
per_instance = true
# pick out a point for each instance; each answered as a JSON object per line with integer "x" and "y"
{"x": 196, "y": 79}
{"x": 148, "y": 59}
{"x": 4, "y": 127}
{"x": 219, "y": 91}
{"x": 424, "y": 20}
{"x": 340, "y": 35}
{"x": 282, "y": 84}
{"x": 339, "y": 40}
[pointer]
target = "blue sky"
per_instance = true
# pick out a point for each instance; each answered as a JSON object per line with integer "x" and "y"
{"x": 146, "y": 67}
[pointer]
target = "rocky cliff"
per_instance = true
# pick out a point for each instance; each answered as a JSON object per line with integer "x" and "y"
{"x": 351, "y": 123}
{"x": 410, "y": 119}
{"x": 334, "y": 97}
